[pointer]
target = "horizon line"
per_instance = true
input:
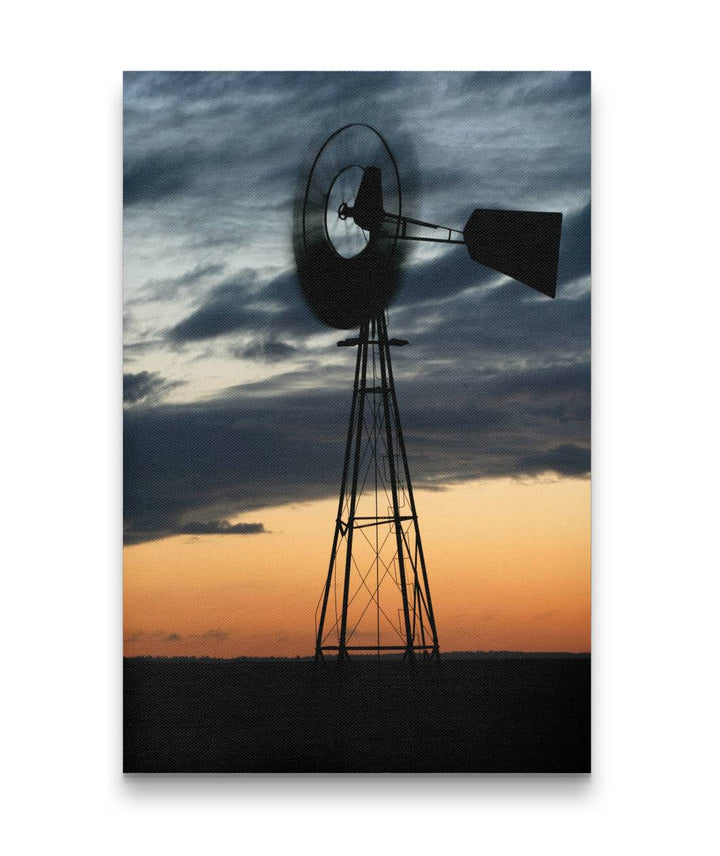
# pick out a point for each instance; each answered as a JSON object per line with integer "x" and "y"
{"x": 365, "y": 656}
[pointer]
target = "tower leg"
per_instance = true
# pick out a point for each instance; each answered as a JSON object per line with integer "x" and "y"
{"x": 386, "y": 382}
{"x": 363, "y": 347}
{"x": 377, "y": 557}
{"x": 413, "y": 509}
{"x": 354, "y": 428}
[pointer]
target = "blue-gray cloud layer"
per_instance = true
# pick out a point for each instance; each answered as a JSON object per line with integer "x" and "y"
{"x": 496, "y": 381}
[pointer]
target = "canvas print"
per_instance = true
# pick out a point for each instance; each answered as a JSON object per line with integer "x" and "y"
{"x": 356, "y": 422}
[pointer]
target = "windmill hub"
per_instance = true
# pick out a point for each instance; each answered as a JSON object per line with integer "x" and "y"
{"x": 345, "y": 235}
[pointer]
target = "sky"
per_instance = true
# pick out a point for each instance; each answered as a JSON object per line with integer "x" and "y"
{"x": 236, "y": 398}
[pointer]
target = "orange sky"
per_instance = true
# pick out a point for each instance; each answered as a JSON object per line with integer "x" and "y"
{"x": 508, "y": 563}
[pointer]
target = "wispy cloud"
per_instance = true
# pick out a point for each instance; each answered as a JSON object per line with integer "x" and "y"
{"x": 221, "y": 527}
{"x": 146, "y": 387}
{"x": 170, "y": 287}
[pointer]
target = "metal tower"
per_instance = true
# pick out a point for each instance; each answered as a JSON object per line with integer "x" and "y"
{"x": 351, "y": 232}
{"x": 376, "y": 596}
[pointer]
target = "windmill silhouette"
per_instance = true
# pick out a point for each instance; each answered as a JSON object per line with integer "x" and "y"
{"x": 350, "y": 238}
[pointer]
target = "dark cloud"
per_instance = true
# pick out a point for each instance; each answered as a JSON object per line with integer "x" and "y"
{"x": 193, "y": 131}
{"x": 170, "y": 287}
{"x": 221, "y": 527}
{"x": 239, "y": 305}
{"x": 268, "y": 350}
{"x": 146, "y": 387}
{"x": 146, "y": 635}
{"x": 536, "y": 90}
{"x": 491, "y": 329}
{"x": 227, "y": 309}
{"x": 223, "y": 151}
{"x": 214, "y": 634}
{"x": 442, "y": 277}
{"x": 574, "y": 260}
{"x": 567, "y": 460}
{"x": 454, "y": 270}
{"x": 243, "y": 452}
{"x": 156, "y": 176}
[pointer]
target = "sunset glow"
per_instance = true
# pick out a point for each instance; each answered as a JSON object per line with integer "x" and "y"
{"x": 509, "y": 565}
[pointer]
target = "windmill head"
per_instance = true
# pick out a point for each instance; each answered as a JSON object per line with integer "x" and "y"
{"x": 351, "y": 229}
{"x": 368, "y": 211}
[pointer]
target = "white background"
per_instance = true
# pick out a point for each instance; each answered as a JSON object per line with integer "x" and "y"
{"x": 655, "y": 281}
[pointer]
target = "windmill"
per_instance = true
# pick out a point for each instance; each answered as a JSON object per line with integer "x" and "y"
{"x": 351, "y": 232}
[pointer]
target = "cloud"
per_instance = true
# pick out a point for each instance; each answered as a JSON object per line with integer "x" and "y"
{"x": 574, "y": 260}
{"x": 221, "y": 527}
{"x": 169, "y": 287}
{"x": 214, "y": 635}
{"x": 566, "y": 460}
{"x": 486, "y": 139}
{"x": 268, "y": 350}
{"x": 228, "y": 308}
{"x": 132, "y": 351}
{"x": 168, "y": 522}
{"x": 249, "y": 450}
{"x": 222, "y": 152}
{"x": 157, "y": 176}
{"x": 146, "y": 636}
{"x": 146, "y": 387}
{"x": 454, "y": 271}
{"x": 239, "y": 304}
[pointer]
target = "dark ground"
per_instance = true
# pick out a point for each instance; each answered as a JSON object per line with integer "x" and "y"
{"x": 474, "y": 714}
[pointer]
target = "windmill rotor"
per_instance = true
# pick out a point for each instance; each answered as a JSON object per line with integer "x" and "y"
{"x": 351, "y": 228}
{"x": 349, "y": 266}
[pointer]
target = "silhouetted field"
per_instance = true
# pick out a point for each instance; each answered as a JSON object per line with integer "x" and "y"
{"x": 473, "y": 714}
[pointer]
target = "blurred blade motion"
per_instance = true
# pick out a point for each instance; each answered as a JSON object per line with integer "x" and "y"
{"x": 521, "y": 244}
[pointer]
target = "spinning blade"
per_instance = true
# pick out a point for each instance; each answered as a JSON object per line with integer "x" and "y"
{"x": 349, "y": 266}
